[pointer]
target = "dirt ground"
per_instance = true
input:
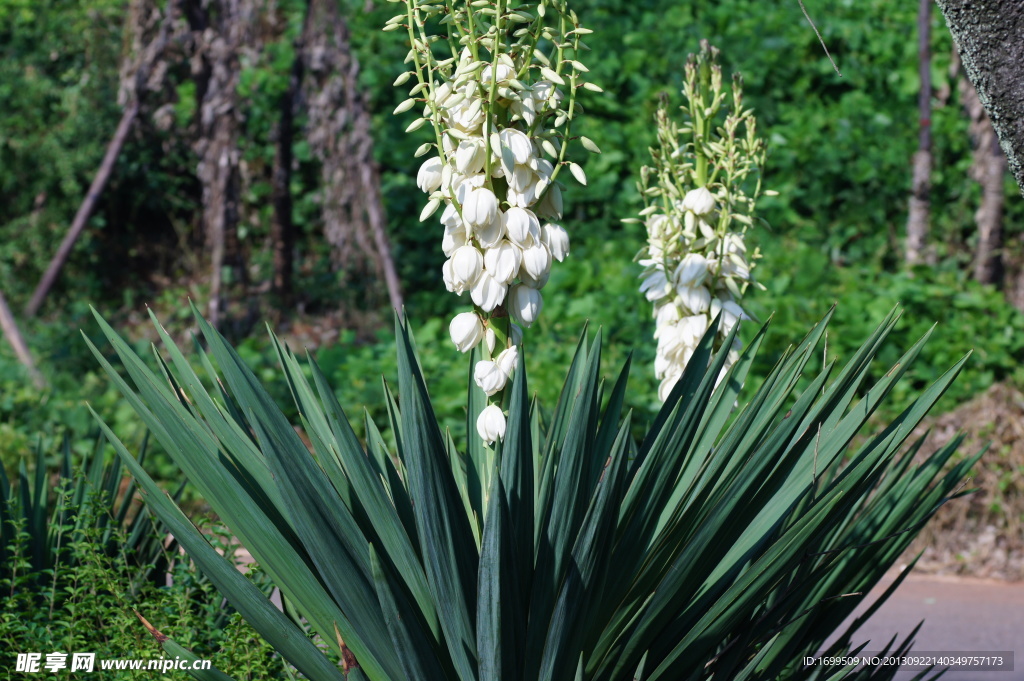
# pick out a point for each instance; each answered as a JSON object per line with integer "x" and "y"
{"x": 981, "y": 535}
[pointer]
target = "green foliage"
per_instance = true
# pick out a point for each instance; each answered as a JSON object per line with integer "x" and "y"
{"x": 966, "y": 316}
{"x": 78, "y": 563}
{"x": 713, "y": 546}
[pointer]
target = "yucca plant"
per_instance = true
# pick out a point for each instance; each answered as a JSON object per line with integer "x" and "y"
{"x": 728, "y": 543}
{"x": 46, "y": 512}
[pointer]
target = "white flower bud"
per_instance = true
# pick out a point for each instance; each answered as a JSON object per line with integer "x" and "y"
{"x": 466, "y": 331}
{"x": 467, "y": 264}
{"x": 537, "y": 260}
{"x": 489, "y": 376}
{"x": 556, "y": 239}
{"x": 488, "y": 292}
{"x": 503, "y": 261}
{"x": 490, "y": 425}
{"x": 525, "y": 304}
{"x": 428, "y": 178}
{"x": 480, "y": 208}
{"x": 699, "y": 201}
{"x": 490, "y": 339}
{"x": 522, "y": 226}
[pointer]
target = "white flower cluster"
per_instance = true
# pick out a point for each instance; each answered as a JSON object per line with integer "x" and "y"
{"x": 498, "y": 249}
{"x": 501, "y": 119}
{"x": 696, "y": 264}
{"x": 691, "y": 275}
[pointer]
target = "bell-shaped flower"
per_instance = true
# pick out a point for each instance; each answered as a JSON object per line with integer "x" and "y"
{"x": 669, "y": 382}
{"x": 550, "y": 207}
{"x": 507, "y": 360}
{"x": 470, "y": 156}
{"x": 490, "y": 235}
{"x": 695, "y": 299}
{"x": 534, "y": 282}
{"x": 542, "y": 168}
{"x": 521, "y": 179}
{"x": 523, "y": 199}
{"x": 490, "y": 425}
{"x": 466, "y": 331}
{"x": 518, "y": 142}
{"x": 545, "y": 92}
{"x": 450, "y": 216}
{"x": 556, "y": 239}
{"x": 655, "y": 285}
{"x": 525, "y": 304}
{"x": 480, "y": 208}
{"x": 488, "y": 292}
{"x": 522, "y": 226}
{"x": 428, "y": 178}
{"x": 489, "y": 376}
{"x": 467, "y": 264}
{"x": 537, "y": 260}
{"x": 453, "y": 239}
{"x": 503, "y": 260}
{"x": 525, "y": 107}
{"x": 699, "y": 201}
{"x": 665, "y": 314}
{"x": 691, "y": 271}
{"x": 449, "y": 278}
{"x": 731, "y": 313}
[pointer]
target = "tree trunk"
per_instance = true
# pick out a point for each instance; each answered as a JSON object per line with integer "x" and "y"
{"x": 989, "y": 170}
{"x": 338, "y": 130}
{"x": 17, "y": 341}
{"x": 282, "y": 231}
{"x": 141, "y": 73}
{"x": 990, "y": 38}
{"x": 918, "y": 217}
{"x": 218, "y": 48}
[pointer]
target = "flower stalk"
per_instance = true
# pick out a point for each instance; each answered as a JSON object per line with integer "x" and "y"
{"x": 700, "y": 196}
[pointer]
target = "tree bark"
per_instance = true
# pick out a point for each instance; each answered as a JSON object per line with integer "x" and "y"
{"x": 282, "y": 230}
{"x": 17, "y": 341}
{"x": 218, "y": 48}
{"x": 990, "y": 38}
{"x": 338, "y": 131}
{"x": 989, "y": 170}
{"x": 918, "y": 217}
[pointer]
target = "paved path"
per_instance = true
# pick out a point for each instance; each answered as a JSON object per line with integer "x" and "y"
{"x": 959, "y": 615}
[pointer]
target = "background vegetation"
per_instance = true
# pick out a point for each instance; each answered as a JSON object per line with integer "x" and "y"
{"x": 840, "y": 150}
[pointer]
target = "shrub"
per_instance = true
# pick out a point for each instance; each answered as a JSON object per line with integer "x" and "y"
{"x": 715, "y": 546}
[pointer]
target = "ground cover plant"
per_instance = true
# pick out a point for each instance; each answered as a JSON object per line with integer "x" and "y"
{"x": 81, "y": 560}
